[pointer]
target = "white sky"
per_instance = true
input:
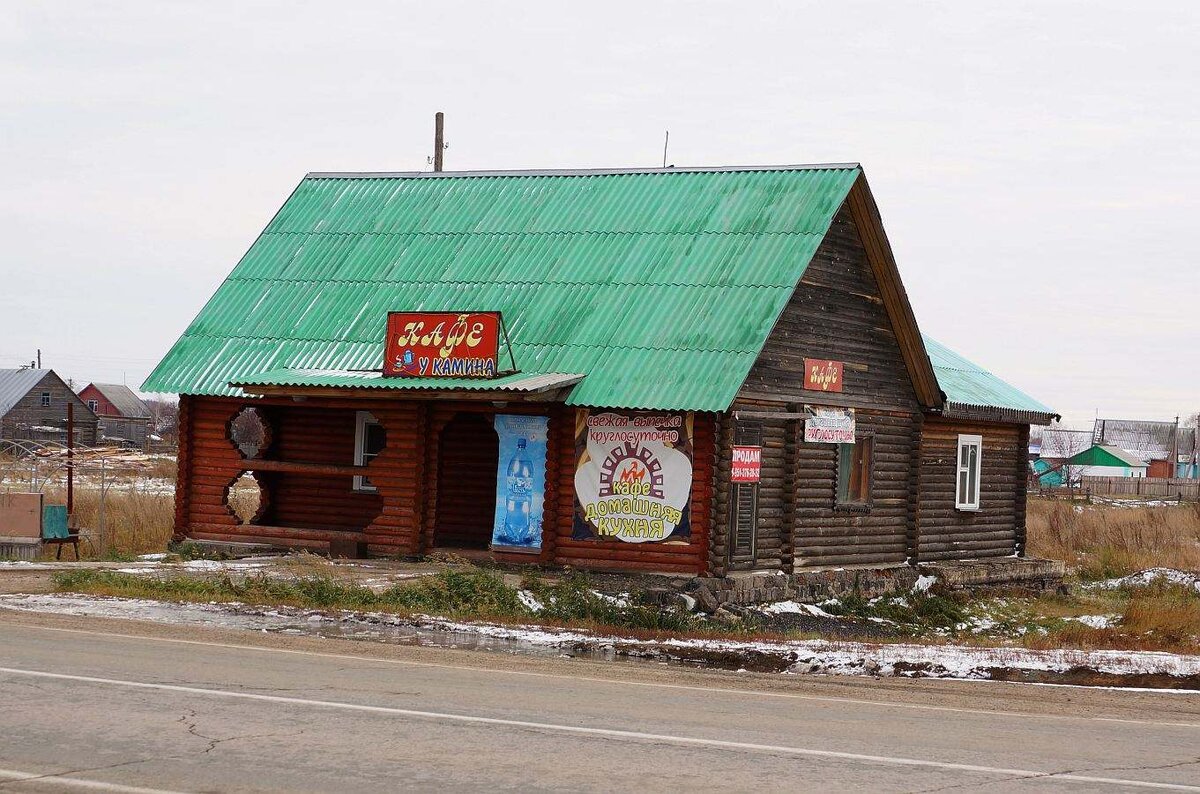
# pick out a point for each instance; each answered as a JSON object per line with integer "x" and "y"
{"x": 1036, "y": 163}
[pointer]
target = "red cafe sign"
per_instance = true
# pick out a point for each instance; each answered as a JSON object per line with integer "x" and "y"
{"x": 442, "y": 345}
{"x": 747, "y": 464}
{"x": 822, "y": 375}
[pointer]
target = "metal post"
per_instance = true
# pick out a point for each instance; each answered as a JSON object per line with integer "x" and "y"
{"x": 438, "y": 145}
{"x": 70, "y": 459}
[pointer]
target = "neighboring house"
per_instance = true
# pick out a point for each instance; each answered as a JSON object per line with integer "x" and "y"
{"x": 1187, "y": 454}
{"x": 33, "y": 407}
{"x": 1157, "y": 443}
{"x": 122, "y": 416}
{"x": 697, "y": 371}
{"x": 1103, "y": 460}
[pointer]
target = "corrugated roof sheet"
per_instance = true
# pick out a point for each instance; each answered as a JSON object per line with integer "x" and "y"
{"x": 1095, "y": 456}
{"x": 376, "y": 380}
{"x": 16, "y": 383}
{"x": 661, "y": 286}
{"x": 124, "y": 400}
{"x": 968, "y": 384}
{"x": 1150, "y": 440}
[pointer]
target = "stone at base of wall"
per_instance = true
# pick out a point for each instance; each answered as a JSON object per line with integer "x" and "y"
{"x": 20, "y": 548}
{"x": 813, "y": 586}
{"x": 1023, "y": 572}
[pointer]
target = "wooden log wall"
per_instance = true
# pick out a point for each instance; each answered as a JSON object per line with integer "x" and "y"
{"x": 307, "y": 471}
{"x": 836, "y": 313}
{"x": 687, "y": 558}
{"x": 998, "y": 527}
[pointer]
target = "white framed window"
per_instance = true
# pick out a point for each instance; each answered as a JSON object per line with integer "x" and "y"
{"x": 45, "y": 399}
{"x": 970, "y": 461}
{"x": 93, "y": 405}
{"x": 369, "y": 441}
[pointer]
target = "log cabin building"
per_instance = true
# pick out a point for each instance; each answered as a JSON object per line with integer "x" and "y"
{"x": 695, "y": 371}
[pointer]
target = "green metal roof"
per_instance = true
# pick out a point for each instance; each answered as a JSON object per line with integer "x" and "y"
{"x": 1106, "y": 455}
{"x": 660, "y": 286}
{"x": 970, "y": 385}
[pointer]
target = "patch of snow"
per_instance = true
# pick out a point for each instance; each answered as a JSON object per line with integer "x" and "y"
{"x": 688, "y": 602}
{"x": 530, "y": 601}
{"x": 794, "y": 608}
{"x": 162, "y": 555}
{"x": 924, "y": 583}
{"x": 1096, "y": 621}
{"x": 1151, "y": 576}
{"x": 620, "y": 601}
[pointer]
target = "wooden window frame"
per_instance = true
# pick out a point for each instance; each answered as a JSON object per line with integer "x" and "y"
{"x": 966, "y": 441}
{"x": 93, "y": 405}
{"x": 47, "y": 399}
{"x": 858, "y": 505}
{"x": 362, "y": 419}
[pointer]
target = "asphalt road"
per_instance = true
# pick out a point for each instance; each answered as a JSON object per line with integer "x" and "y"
{"x": 117, "y": 706}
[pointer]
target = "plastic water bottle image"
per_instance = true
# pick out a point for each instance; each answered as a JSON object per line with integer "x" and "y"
{"x": 519, "y": 497}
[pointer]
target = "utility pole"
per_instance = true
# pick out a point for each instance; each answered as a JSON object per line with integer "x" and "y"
{"x": 438, "y": 143}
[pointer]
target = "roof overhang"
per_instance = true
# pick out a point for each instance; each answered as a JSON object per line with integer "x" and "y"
{"x": 992, "y": 413}
{"x": 534, "y": 387}
{"x": 865, "y": 213}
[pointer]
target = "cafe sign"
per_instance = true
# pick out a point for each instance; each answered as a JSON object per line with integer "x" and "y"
{"x": 828, "y": 425}
{"x": 443, "y": 345}
{"x": 820, "y": 375}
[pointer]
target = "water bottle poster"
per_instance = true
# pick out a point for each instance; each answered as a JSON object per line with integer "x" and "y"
{"x": 633, "y": 476}
{"x": 520, "y": 481}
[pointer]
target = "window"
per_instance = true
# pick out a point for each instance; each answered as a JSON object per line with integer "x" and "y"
{"x": 966, "y": 489}
{"x": 369, "y": 441}
{"x": 45, "y": 399}
{"x": 93, "y": 405}
{"x": 855, "y": 464}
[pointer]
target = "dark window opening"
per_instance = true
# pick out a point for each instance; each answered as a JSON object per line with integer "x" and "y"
{"x": 855, "y": 469}
{"x": 45, "y": 399}
{"x": 743, "y": 519}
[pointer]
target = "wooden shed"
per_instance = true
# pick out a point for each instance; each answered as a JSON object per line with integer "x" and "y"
{"x": 684, "y": 370}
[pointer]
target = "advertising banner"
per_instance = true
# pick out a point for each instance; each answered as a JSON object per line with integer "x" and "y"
{"x": 442, "y": 345}
{"x": 520, "y": 482}
{"x": 633, "y": 476}
{"x": 747, "y": 464}
{"x": 829, "y": 425}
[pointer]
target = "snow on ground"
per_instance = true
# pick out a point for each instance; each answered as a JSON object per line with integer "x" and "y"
{"x": 803, "y": 656}
{"x": 794, "y": 608}
{"x": 1096, "y": 621}
{"x": 1149, "y": 577}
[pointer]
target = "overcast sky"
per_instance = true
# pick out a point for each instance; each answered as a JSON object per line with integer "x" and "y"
{"x": 1036, "y": 164}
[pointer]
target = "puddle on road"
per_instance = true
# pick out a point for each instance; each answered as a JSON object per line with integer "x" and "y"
{"x": 1080, "y": 668}
{"x": 369, "y": 627}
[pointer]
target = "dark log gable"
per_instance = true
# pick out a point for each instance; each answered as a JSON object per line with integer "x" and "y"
{"x": 837, "y": 312}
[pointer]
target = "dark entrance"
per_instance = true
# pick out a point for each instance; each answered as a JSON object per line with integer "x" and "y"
{"x": 468, "y": 453}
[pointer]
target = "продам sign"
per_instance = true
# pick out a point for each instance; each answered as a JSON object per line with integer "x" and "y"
{"x": 442, "y": 345}
{"x": 822, "y": 375}
{"x": 747, "y": 464}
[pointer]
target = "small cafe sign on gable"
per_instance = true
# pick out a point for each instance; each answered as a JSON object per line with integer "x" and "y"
{"x": 822, "y": 375}
{"x": 442, "y": 345}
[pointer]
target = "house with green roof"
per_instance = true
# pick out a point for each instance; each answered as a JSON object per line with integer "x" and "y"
{"x": 688, "y": 370}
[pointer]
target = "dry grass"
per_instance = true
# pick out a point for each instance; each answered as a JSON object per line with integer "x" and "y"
{"x": 133, "y": 522}
{"x": 1100, "y": 542}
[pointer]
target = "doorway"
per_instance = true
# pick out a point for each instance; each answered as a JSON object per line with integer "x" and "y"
{"x": 468, "y": 454}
